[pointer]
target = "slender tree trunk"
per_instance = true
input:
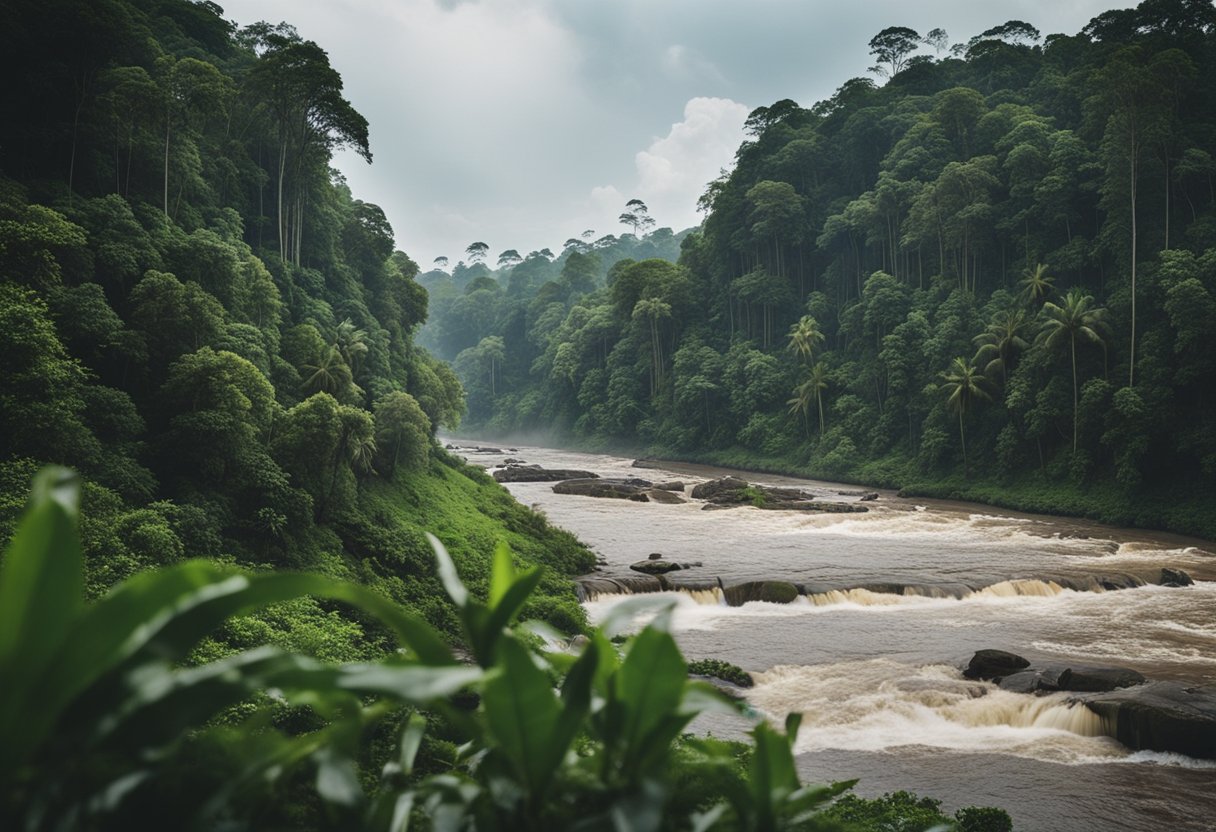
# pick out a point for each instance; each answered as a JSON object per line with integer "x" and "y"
{"x": 281, "y": 221}
{"x": 1131, "y": 369}
{"x": 962, "y": 435}
{"x": 1073, "y": 344}
{"x": 819, "y": 401}
{"x": 166, "y": 165}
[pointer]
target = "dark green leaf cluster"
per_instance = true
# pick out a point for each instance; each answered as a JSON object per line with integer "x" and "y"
{"x": 197, "y": 314}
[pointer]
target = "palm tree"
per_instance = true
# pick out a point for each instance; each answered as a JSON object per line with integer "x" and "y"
{"x": 804, "y": 337}
{"x": 329, "y": 375}
{"x": 351, "y": 342}
{"x": 999, "y": 341}
{"x": 963, "y": 384}
{"x": 1037, "y": 285}
{"x": 1077, "y": 319}
{"x": 809, "y": 391}
{"x": 653, "y": 309}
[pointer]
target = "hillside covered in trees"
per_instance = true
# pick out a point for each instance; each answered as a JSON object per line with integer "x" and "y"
{"x": 992, "y": 275}
{"x": 198, "y": 315}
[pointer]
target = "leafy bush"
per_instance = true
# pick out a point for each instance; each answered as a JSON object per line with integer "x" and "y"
{"x": 721, "y": 670}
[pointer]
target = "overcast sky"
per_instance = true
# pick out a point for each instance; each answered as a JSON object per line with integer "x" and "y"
{"x": 524, "y": 122}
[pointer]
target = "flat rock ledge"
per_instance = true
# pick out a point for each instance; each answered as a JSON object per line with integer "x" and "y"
{"x": 621, "y": 489}
{"x": 1141, "y": 714}
{"x": 534, "y": 473}
{"x": 728, "y": 492}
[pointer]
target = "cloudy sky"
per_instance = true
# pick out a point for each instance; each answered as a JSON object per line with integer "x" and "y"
{"x": 524, "y": 122}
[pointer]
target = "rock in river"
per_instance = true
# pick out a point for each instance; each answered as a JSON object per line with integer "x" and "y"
{"x": 530, "y": 474}
{"x": 660, "y": 567}
{"x": 621, "y": 489}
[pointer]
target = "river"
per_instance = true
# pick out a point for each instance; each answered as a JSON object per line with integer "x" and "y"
{"x": 877, "y": 676}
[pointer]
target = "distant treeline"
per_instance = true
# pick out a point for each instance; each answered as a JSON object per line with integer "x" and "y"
{"x": 1001, "y": 262}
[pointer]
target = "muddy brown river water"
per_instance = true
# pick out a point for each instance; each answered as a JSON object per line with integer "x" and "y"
{"x": 877, "y": 676}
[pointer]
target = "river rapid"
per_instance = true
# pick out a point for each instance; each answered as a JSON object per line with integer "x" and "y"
{"x": 877, "y": 676}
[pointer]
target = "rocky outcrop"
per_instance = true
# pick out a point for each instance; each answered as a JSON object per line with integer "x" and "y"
{"x": 774, "y": 592}
{"x": 673, "y": 485}
{"x": 1160, "y": 716}
{"x": 654, "y": 566}
{"x": 1175, "y": 577}
{"x": 722, "y": 490}
{"x": 528, "y": 473}
{"x": 993, "y": 665}
{"x": 1141, "y": 714}
{"x": 647, "y": 463}
{"x": 621, "y": 489}
{"x": 662, "y": 495}
{"x": 732, "y": 491}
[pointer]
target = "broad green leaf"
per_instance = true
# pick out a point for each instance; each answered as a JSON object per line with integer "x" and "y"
{"x": 502, "y": 574}
{"x": 650, "y": 683}
{"x": 510, "y": 603}
{"x": 622, "y": 614}
{"x": 521, "y": 712}
{"x": 411, "y": 741}
{"x": 447, "y": 573}
{"x": 41, "y": 592}
{"x": 337, "y": 778}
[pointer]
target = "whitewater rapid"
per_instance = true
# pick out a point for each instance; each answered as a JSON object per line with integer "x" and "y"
{"x": 877, "y": 674}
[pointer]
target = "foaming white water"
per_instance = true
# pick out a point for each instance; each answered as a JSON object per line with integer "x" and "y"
{"x": 878, "y": 705}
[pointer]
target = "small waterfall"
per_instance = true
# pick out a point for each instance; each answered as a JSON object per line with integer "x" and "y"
{"x": 1037, "y": 712}
{"x": 1022, "y": 588}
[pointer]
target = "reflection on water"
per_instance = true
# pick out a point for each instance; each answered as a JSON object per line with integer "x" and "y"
{"x": 876, "y": 674}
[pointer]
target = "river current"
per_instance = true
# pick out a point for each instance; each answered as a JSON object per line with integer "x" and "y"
{"x": 878, "y": 676}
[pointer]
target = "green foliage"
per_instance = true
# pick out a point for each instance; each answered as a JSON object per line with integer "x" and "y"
{"x": 104, "y": 719}
{"x": 1040, "y": 213}
{"x": 719, "y": 669}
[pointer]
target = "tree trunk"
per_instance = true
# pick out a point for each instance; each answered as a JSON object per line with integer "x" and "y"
{"x": 962, "y": 435}
{"x": 1131, "y": 369}
{"x": 1073, "y": 344}
{"x": 166, "y": 164}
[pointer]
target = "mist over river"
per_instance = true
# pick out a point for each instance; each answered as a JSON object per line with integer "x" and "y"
{"x": 878, "y": 676}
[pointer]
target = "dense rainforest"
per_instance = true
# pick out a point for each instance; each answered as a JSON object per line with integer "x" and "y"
{"x": 198, "y": 315}
{"x": 993, "y": 275}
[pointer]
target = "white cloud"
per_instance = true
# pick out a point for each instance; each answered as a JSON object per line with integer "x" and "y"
{"x": 673, "y": 171}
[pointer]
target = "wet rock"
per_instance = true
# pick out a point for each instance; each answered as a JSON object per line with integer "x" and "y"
{"x": 655, "y": 556}
{"x": 1175, "y": 577}
{"x": 854, "y": 493}
{"x": 512, "y": 461}
{"x": 774, "y": 592}
{"x": 1098, "y": 679}
{"x": 647, "y": 463}
{"x": 869, "y": 497}
{"x": 660, "y": 495}
{"x": 587, "y": 588}
{"x": 994, "y": 664}
{"x": 660, "y": 567}
{"x": 1161, "y": 716}
{"x": 673, "y": 485}
{"x": 621, "y": 489}
{"x": 721, "y": 490}
{"x": 521, "y": 473}
{"x": 731, "y": 491}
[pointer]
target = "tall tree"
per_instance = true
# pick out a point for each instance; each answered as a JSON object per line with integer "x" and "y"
{"x": 1077, "y": 319}
{"x": 891, "y": 48}
{"x": 964, "y": 385}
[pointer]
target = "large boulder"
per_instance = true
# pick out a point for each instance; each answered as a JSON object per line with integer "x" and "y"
{"x": 662, "y": 495}
{"x": 728, "y": 492}
{"x": 522, "y": 473}
{"x": 621, "y": 489}
{"x": 1052, "y": 678}
{"x": 671, "y": 485}
{"x": 660, "y": 567}
{"x": 994, "y": 664}
{"x": 1160, "y": 716}
{"x": 774, "y": 592}
{"x": 724, "y": 490}
{"x": 1175, "y": 577}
